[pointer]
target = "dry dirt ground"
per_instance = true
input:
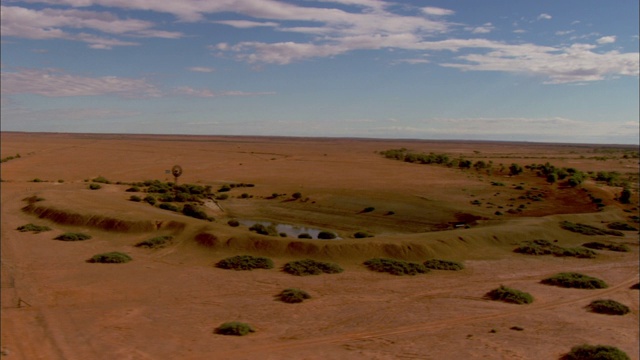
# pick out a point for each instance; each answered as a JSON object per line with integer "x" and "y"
{"x": 166, "y": 303}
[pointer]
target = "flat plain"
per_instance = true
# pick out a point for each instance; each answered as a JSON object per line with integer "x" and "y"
{"x": 167, "y": 302}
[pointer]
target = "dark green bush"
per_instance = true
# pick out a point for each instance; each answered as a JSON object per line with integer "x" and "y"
{"x": 156, "y": 242}
{"x": 588, "y": 229}
{"x": 625, "y": 196}
{"x": 361, "y": 235}
{"x": 608, "y": 307}
{"x": 293, "y": 295}
{"x": 110, "y": 258}
{"x": 296, "y": 195}
{"x": 135, "y": 198}
{"x": 234, "y": 328}
{"x": 509, "y": 295}
{"x": 575, "y": 280}
{"x": 264, "y": 230}
{"x": 150, "y": 199}
{"x": 600, "y": 246}
{"x": 133, "y": 189}
{"x": 194, "y": 212}
{"x": 168, "y": 206}
{"x": 73, "y": 237}
{"x": 94, "y": 186}
{"x": 368, "y": 209}
{"x": 101, "y": 179}
{"x": 33, "y": 227}
{"x": 395, "y": 267}
{"x": 544, "y": 247}
{"x": 305, "y": 236}
{"x": 595, "y": 352}
{"x": 326, "y": 235}
{"x": 436, "y": 264}
{"x": 233, "y": 223}
{"x": 621, "y": 226}
{"x": 311, "y": 267}
{"x": 245, "y": 262}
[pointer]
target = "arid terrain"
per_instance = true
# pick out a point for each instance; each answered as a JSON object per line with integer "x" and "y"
{"x": 167, "y": 302}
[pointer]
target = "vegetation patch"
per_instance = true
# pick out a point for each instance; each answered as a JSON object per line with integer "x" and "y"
{"x": 245, "y": 262}
{"x": 194, "y": 212}
{"x": 293, "y": 295}
{"x": 156, "y": 242}
{"x": 593, "y": 352}
{"x": 94, "y": 186}
{"x": 621, "y": 226}
{"x": 509, "y": 295}
{"x": 326, "y": 235}
{"x": 437, "y": 264}
{"x": 110, "y": 258}
{"x": 264, "y": 230}
{"x": 70, "y": 236}
{"x": 234, "y": 328}
{"x": 395, "y": 267}
{"x": 575, "y": 280}
{"x": 588, "y": 229}
{"x": 544, "y": 247}
{"x": 608, "y": 307}
{"x": 362, "y": 235}
{"x": 32, "y": 227}
{"x": 601, "y": 246}
{"x": 311, "y": 267}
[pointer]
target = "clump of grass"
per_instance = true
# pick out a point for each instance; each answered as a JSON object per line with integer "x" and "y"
{"x": 32, "y": 227}
{"x": 599, "y": 352}
{"x": 110, "y": 258}
{"x": 73, "y": 237}
{"x": 311, "y": 267}
{"x": 509, "y": 295}
{"x": 395, "y": 267}
{"x": 293, "y": 295}
{"x": 621, "y": 226}
{"x": 234, "y": 328}
{"x": 437, "y": 264}
{"x": 135, "y": 198}
{"x": 94, "y": 186}
{"x": 156, "y": 242}
{"x": 601, "y": 246}
{"x": 575, "y": 280}
{"x": 245, "y": 262}
{"x": 608, "y": 307}
{"x": 264, "y": 230}
{"x": 588, "y": 229}
{"x": 544, "y": 247}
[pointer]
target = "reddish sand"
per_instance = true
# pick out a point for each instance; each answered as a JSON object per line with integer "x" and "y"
{"x": 166, "y": 303}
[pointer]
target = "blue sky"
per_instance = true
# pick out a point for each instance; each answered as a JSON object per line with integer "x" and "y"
{"x": 544, "y": 71}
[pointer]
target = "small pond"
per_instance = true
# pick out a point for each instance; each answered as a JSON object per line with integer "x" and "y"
{"x": 292, "y": 231}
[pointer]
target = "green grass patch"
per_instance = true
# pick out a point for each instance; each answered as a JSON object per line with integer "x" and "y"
{"x": 544, "y": 247}
{"x": 575, "y": 280}
{"x": 156, "y": 242}
{"x": 621, "y": 226}
{"x": 395, "y": 267}
{"x": 588, "y": 229}
{"x": 509, "y": 295}
{"x": 436, "y": 264}
{"x": 70, "y": 236}
{"x": 245, "y": 262}
{"x": 264, "y": 230}
{"x": 311, "y": 267}
{"x": 293, "y": 296}
{"x": 595, "y": 352}
{"x": 234, "y": 328}
{"x": 110, "y": 258}
{"x": 33, "y": 227}
{"x": 94, "y": 186}
{"x": 608, "y": 307}
{"x": 601, "y": 246}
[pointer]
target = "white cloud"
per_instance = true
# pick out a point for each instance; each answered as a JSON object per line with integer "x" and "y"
{"x": 202, "y": 69}
{"x": 544, "y": 16}
{"x": 484, "y": 29}
{"x": 207, "y": 93}
{"x": 245, "y": 24}
{"x": 429, "y": 10}
{"x": 606, "y": 40}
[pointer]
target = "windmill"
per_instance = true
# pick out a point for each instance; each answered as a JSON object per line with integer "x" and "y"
{"x": 176, "y": 170}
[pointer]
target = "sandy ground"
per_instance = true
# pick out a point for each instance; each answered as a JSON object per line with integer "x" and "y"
{"x": 166, "y": 303}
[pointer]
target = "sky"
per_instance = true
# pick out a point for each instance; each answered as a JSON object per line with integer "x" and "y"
{"x": 509, "y": 70}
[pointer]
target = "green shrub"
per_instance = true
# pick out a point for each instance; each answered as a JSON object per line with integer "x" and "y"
{"x": 621, "y": 226}
{"x": 264, "y": 230}
{"x": 73, "y": 237}
{"x": 233, "y": 223}
{"x": 168, "y": 206}
{"x": 544, "y": 247}
{"x": 509, "y": 295}
{"x": 368, "y": 209}
{"x": 305, "y": 236}
{"x": 245, "y": 262}
{"x": 110, "y": 258}
{"x": 575, "y": 280}
{"x": 395, "y": 267}
{"x": 436, "y": 264}
{"x": 194, "y": 212}
{"x": 600, "y": 246}
{"x": 234, "y": 328}
{"x": 37, "y": 180}
{"x": 135, "y": 198}
{"x": 625, "y": 196}
{"x": 101, "y": 179}
{"x": 595, "y": 352}
{"x": 33, "y": 227}
{"x": 326, "y": 235}
{"x": 156, "y": 242}
{"x": 293, "y": 295}
{"x": 133, "y": 189}
{"x": 296, "y": 195}
{"x": 608, "y": 307}
{"x": 311, "y": 267}
{"x": 588, "y": 229}
{"x": 94, "y": 186}
{"x": 361, "y": 235}
{"x": 150, "y": 200}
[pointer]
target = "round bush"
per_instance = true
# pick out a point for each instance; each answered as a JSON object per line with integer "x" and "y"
{"x": 326, "y": 235}
{"x": 311, "y": 267}
{"x": 156, "y": 242}
{"x": 234, "y": 328}
{"x": 305, "y": 236}
{"x": 167, "y": 206}
{"x": 509, "y": 295}
{"x": 293, "y": 295}
{"x": 135, "y": 198}
{"x": 608, "y": 307}
{"x": 362, "y": 235}
{"x": 395, "y": 267}
{"x": 110, "y": 258}
{"x": 233, "y": 223}
{"x": 595, "y": 352}
{"x": 575, "y": 280}
{"x": 436, "y": 264}
{"x": 245, "y": 262}
{"x": 72, "y": 237}
{"x": 93, "y": 186}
